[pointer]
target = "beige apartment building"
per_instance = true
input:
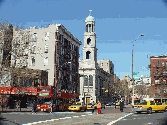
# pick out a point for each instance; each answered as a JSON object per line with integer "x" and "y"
{"x": 106, "y": 65}
{"x": 52, "y": 49}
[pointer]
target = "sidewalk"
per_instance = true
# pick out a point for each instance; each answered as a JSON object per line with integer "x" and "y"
{"x": 15, "y": 110}
{"x": 117, "y": 110}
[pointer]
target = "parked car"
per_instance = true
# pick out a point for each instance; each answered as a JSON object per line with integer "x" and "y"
{"x": 109, "y": 104}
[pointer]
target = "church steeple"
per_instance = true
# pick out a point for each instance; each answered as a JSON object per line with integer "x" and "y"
{"x": 89, "y": 49}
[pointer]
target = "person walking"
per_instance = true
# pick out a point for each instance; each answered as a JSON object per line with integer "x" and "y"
{"x": 99, "y": 107}
{"x": 51, "y": 106}
{"x": 121, "y": 105}
{"x": 93, "y": 107}
{"x": 34, "y": 107}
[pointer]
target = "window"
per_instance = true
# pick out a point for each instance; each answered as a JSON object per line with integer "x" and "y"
{"x": 86, "y": 28}
{"x": 143, "y": 103}
{"x": 33, "y": 49}
{"x": 46, "y": 61}
{"x": 90, "y": 80}
{"x": 46, "y": 48}
{"x": 90, "y": 28}
{"x": 85, "y": 80}
{"x": 14, "y": 62}
{"x": 26, "y": 51}
{"x": 88, "y": 55}
{"x": 34, "y": 37}
{"x": 153, "y": 64}
{"x": 33, "y": 61}
{"x": 163, "y": 64}
{"x": 166, "y": 64}
{"x": 27, "y": 39}
{"x": 17, "y": 41}
{"x": 88, "y": 41}
{"x": 156, "y": 81}
{"x": 158, "y": 64}
{"x": 107, "y": 64}
{"x": 46, "y": 36}
{"x": 156, "y": 72}
{"x": 152, "y": 103}
{"x": 102, "y": 64}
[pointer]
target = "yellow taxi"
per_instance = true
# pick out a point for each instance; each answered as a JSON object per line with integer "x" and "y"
{"x": 149, "y": 106}
{"x": 90, "y": 107}
{"x": 118, "y": 103}
{"x": 77, "y": 106}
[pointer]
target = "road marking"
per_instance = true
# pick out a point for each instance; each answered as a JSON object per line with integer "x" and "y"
{"x": 67, "y": 117}
{"x": 75, "y": 116}
{"x": 147, "y": 123}
{"x": 62, "y": 118}
{"x": 53, "y": 120}
{"x": 119, "y": 119}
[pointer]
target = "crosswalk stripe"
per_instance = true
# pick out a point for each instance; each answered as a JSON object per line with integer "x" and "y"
{"x": 119, "y": 119}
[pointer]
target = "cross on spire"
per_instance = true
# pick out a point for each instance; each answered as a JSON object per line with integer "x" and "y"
{"x": 90, "y": 12}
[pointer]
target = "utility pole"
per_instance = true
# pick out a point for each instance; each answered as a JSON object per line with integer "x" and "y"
{"x": 132, "y": 79}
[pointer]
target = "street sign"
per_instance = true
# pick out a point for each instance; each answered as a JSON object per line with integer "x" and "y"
{"x": 136, "y": 79}
{"x": 135, "y": 73}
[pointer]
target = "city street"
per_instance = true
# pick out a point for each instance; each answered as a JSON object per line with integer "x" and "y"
{"x": 13, "y": 118}
{"x": 109, "y": 116}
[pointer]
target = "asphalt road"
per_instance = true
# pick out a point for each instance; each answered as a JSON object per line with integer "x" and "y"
{"x": 14, "y": 118}
{"x": 144, "y": 119}
{"x": 24, "y": 118}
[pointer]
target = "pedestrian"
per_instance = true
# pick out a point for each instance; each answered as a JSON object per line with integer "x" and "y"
{"x": 51, "y": 106}
{"x": 99, "y": 107}
{"x": 157, "y": 102}
{"x": 121, "y": 105}
{"x": 93, "y": 107}
{"x": 34, "y": 107}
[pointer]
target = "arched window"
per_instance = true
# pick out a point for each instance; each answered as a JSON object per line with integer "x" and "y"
{"x": 88, "y": 41}
{"x": 85, "y": 80}
{"x": 90, "y": 28}
{"x": 88, "y": 55}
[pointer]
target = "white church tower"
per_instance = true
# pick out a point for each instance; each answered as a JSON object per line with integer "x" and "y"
{"x": 87, "y": 66}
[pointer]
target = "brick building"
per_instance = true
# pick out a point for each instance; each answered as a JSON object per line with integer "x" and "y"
{"x": 158, "y": 73}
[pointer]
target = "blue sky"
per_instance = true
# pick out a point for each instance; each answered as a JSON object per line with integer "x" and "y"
{"x": 118, "y": 24}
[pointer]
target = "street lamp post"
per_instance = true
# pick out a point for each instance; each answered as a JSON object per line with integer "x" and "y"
{"x": 132, "y": 71}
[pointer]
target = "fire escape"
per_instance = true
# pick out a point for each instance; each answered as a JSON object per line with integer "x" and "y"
{"x": 66, "y": 64}
{"x": 160, "y": 76}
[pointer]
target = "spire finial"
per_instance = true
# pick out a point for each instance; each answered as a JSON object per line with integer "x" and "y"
{"x": 90, "y": 12}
